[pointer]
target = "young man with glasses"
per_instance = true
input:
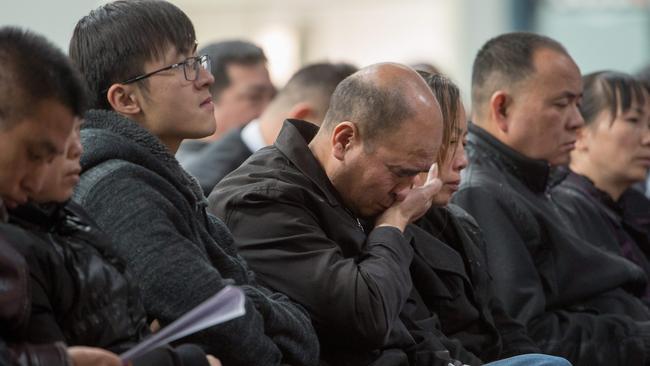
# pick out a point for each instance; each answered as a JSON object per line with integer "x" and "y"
{"x": 150, "y": 92}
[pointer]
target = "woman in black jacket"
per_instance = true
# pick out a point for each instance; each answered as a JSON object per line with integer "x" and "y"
{"x": 81, "y": 294}
{"x": 612, "y": 154}
{"x": 480, "y": 321}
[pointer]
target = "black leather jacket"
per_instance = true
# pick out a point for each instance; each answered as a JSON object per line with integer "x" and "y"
{"x": 14, "y": 314}
{"x": 356, "y": 280}
{"x": 80, "y": 293}
{"x": 602, "y": 221}
{"x": 454, "y": 282}
{"x": 572, "y": 295}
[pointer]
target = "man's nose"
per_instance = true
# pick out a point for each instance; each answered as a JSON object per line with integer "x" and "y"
{"x": 576, "y": 121}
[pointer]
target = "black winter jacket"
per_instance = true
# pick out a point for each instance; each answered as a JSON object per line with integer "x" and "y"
{"x": 80, "y": 292}
{"x": 602, "y": 221}
{"x": 572, "y": 296}
{"x": 464, "y": 301}
{"x": 15, "y": 306}
{"x": 355, "y": 280}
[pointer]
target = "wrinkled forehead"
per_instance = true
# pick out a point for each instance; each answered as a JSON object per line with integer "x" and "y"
{"x": 413, "y": 142}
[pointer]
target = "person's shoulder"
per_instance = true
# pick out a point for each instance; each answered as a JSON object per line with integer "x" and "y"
{"x": 266, "y": 170}
{"x": 266, "y": 177}
{"x": 111, "y": 171}
{"x": 40, "y": 255}
{"x": 461, "y": 215}
{"x": 121, "y": 182}
{"x": 227, "y": 149}
{"x": 567, "y": 194}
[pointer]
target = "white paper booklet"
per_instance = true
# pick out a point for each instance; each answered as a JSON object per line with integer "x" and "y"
{"x": 225, "y": 305}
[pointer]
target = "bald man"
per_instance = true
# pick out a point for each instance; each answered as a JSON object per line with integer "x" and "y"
{"x": 325, "y": 216}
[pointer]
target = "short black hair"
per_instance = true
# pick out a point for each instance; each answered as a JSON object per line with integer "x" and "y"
{"x": 448, "y": 96}
{"x": 609, "y": 90}
{"x": 315, "y": 82}
{"x": 225, "y": 53}
{"x": 376, "y": 110}
{"x": 32, "y": 70}
{"x": 114, "y": 41}
{"x": 506, "y": 60}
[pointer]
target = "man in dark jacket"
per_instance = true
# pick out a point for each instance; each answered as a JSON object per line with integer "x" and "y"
{"x": 40, "y": 95}
{"x": 572, "y": 296}
{"x": 151, "y": 92}
{"x": 324, "y": 216}
{"x": 77, "y": 284}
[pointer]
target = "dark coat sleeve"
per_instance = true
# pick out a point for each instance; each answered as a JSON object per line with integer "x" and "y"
{"x": 176, "y": 274}
{"x": 574, "y": 332}
{"x": 15, "y": 305}
{"x": 353, "y": 299}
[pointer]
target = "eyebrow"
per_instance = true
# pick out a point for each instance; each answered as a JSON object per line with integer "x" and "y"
{"x": 48, "y": 148}
{"x": 408, "y": 170}
{"x": 568, "y": 94}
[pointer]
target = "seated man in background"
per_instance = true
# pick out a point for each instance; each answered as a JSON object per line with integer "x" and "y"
{"x": 571, "y": 295}
{"x": 154, "y": 213}
{"x": 241, "y": 90}
{"x": 306, "y": 96}
{"x": 40, "y": 95}
{"x": 324, "y": 215}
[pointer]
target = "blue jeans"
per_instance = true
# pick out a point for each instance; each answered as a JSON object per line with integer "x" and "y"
{"x": 532, "y": 359}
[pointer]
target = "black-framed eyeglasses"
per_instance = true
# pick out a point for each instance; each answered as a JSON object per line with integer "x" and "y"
{"x": 191, "y": 69}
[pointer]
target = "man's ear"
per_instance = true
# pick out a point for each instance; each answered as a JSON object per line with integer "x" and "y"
{"x": 344, "y": 135}
{"x": 124, "y": 99}
{"x": 500, "y": 103}
{"x": 301, "y": 111}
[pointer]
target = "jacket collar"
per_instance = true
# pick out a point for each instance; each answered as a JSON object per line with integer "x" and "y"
{"x": 107, "y": 135}
{"x": 44, "y": 217}
{"x": 586, "y": 185}
{"x": 533, "y": 173}
{"x": 293, "y": 142}
{"x": 435, "y": 253}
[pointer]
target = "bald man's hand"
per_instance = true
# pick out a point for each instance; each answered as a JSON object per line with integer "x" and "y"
{"x": 413, "y": 202}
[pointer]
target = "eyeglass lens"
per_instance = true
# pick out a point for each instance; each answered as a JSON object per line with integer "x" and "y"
{"x": 192, "y": 67}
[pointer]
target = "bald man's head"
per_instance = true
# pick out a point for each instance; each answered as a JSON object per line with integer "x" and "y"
{"x": 383, "y": 128}
{"x": 379, "y": 98}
